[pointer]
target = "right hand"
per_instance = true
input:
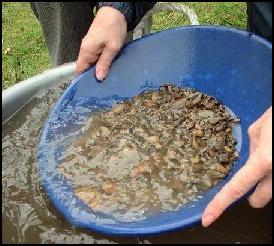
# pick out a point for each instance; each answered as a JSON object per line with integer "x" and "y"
{"x": 258, "y": 169}
{"x": 105, "y": 38}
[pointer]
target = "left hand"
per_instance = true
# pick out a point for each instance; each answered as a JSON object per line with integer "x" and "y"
{"x": 103, "y": 41}
{"x": 258, "y": 168}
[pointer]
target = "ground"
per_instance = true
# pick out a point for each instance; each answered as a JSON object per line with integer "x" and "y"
{"x": 24, "y": 53}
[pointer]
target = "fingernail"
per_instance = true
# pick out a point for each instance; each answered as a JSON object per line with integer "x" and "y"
{"x": 94, "y": 73}
{"x": 207, "y": 220}
{"x": 100, "y": 74}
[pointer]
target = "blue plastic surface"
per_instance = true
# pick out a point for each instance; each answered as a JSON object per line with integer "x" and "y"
{"x": 232, "y": 65}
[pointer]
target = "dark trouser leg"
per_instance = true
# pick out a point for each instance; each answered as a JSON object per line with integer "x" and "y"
{"x": 260, "y": 19}
{"x": 64, "y": 24}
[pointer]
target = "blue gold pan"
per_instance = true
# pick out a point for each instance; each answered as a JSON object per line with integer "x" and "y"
{"x": 232, "y": 65}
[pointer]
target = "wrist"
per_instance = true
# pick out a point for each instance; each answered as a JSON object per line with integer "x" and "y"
{"x": 113, "y": 15}
{"x": 123, "y": 8}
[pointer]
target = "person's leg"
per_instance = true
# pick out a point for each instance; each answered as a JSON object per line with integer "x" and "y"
{"x": 64, "y": 24}
{"x": 259, "y": 20}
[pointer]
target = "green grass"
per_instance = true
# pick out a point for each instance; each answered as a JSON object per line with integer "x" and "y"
{"x": 21, "y": 33}
{"x": 209, "y": 13}
{"x": 28, "y": 55}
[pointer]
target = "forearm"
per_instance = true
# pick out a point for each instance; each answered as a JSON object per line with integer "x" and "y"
{"x": 133, "y": 11}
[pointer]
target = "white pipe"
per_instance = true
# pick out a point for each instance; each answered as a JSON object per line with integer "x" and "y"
{"x": 15, "y": 97}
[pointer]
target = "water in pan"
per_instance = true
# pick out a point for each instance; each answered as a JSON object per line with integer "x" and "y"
{"x": 152, "y": 153}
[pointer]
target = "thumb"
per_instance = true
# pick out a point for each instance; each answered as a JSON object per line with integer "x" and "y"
{"x": 105, "y": 60}
{"x": 263, "y": 192}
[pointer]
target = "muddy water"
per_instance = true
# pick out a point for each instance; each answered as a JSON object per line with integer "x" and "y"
{"x": 152, "y": 153}
{"x": 29, "y": 217}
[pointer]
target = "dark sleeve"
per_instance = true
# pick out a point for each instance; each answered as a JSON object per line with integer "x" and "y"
{"x": 133, "y": 11}
{"x": 259, "y": 20}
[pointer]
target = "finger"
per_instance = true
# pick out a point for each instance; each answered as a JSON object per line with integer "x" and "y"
{"x": 105, "y": 60}
{"x": 88, "y": 54}
{"x": 254, "y": 134}
{"x": 255, "y": 129}
{"x": 85, "y": 59}
{"x": 253, "y": 145}
{"x": 81, "y": 65}
{"x": 263, "y": 193}
{"x": 243, "y": 180}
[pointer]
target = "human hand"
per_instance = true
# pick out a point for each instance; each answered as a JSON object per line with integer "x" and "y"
{"x": 258, "y": 168}
{"x": 103, "y": 41}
